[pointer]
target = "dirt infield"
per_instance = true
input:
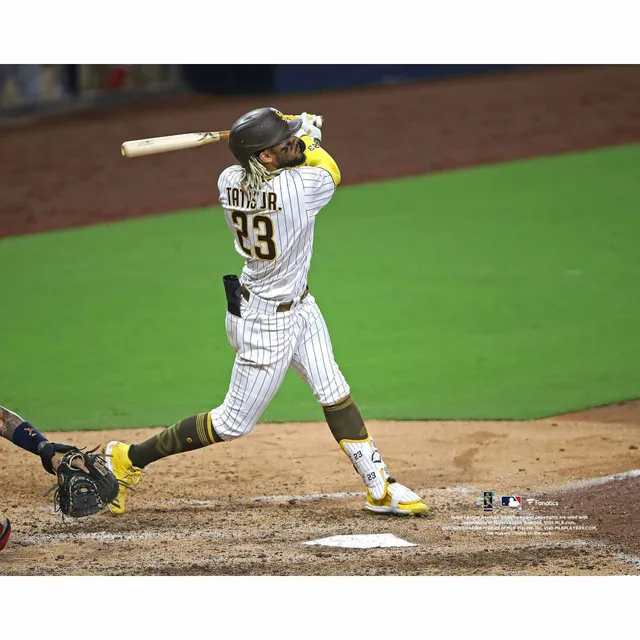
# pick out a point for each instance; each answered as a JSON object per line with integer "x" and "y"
{"x": 246, "y": 508}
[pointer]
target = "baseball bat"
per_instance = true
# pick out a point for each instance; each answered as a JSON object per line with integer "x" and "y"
{"x": 150, "y": 146}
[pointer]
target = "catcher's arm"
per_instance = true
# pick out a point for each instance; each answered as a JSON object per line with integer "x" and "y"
{"x": 8, "y": 423}
{"x": 84, "y": 484}
{"x": 27, "y": 437}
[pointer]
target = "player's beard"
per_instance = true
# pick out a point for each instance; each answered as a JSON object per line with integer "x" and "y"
{"x": 295, "y": 160}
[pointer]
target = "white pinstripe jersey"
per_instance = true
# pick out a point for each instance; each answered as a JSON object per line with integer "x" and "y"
{"x": 274, "y": 232}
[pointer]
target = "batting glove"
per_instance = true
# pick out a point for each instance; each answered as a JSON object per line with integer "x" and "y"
{"x": 310, "y": 126}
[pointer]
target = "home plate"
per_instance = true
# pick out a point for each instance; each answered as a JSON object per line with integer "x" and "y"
{"x": 363, "y": 541}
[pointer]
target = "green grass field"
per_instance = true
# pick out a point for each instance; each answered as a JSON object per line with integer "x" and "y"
{"x": 505, "y": 291}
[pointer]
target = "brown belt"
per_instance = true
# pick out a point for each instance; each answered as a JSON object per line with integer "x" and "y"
{"x": 283, "y": 306}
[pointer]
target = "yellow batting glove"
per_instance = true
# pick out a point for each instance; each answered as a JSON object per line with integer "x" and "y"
{"x": 311, "y": 125}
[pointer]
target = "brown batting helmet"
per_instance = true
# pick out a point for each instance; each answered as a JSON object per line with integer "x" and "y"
{"x": 259, "y": 129}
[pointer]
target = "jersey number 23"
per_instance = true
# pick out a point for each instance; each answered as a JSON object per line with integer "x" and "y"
{"x": 264, "y": 247}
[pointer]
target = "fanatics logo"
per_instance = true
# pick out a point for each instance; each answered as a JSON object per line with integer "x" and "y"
{"x": 542, "y": 503}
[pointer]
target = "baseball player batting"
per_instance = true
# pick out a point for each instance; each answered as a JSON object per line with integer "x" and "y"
{"x": 271, "y": 200}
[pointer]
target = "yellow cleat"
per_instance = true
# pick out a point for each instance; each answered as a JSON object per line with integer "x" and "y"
{"x": 397, "y": 500}
{"x": 117, "y": 457}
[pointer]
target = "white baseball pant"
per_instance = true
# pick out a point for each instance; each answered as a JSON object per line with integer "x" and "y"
{"x": 267, "y": 342}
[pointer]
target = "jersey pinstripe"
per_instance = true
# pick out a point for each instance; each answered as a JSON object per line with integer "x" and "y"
{"x": 274, "y": 228}
{"x": 273, "y": 231}
{"x": 268, "y": 343}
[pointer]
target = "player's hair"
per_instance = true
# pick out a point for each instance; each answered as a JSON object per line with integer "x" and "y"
{"x": 256, "y": 174}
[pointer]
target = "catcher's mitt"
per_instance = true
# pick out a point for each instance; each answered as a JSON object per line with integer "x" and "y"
{"x": 78, "y": 493}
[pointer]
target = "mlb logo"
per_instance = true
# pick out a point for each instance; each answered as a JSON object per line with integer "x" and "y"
{"x": 515, "y": 502}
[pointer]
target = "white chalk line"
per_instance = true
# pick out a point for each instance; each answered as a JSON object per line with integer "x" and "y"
{"x": 305, "y": 497}
{"x": 570, "y": 486}
{"x": 103, "y": 536}
{"x": 580, "y": 484}
{"x": 310, "y": 497}
{"x": 633, "y": 561}
{"x": 593, "y": 482}
{"x": 106, "y": 536}
{"x": 188, "y": 502}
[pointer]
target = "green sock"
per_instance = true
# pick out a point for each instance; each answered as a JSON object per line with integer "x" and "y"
{"x": 345, "y": 421}
{"x": 191, "y": 433}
